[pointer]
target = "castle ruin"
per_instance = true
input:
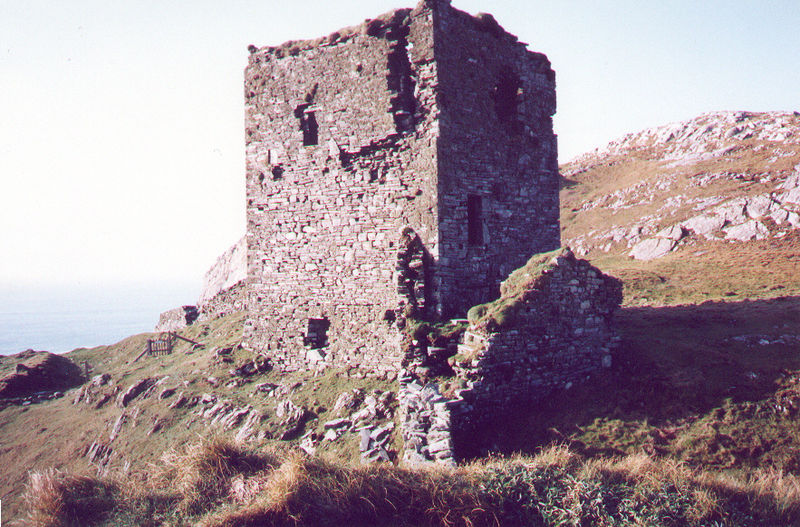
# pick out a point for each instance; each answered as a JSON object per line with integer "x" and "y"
{"x": 404, "y": 165}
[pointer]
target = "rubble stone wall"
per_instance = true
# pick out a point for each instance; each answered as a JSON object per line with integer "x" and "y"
{"x": 229, "y": 269}
{"x": 225, "y": 302}
{"x": 498, "y": 163}
{"x": 176, "y": 319}
{"x": 325, "y": 219}
{"x": 560, "y": 334}
{"x": 224, "y": 290}
{"x": 354, "y": 138}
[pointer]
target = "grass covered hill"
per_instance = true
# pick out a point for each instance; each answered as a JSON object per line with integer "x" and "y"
{"x": 696, "y": 423}
{"x": 709, "y": 208}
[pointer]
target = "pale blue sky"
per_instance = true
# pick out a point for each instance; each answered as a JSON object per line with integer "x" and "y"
{"x": 121, "y": 123}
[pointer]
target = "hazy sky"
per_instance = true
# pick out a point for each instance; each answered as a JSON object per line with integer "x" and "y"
{"x": 121, "y": 122}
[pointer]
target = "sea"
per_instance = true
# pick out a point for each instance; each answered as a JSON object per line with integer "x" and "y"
{"x": 63, "y": 318}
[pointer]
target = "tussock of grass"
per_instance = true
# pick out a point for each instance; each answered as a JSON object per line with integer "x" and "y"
{"x": 55, "y": 499}
{"x": 222, "y": 484}
{"x": 202, "y": 474}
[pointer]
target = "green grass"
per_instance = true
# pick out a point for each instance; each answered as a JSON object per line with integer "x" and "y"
{"x": 682, "y": 388}
{"x": 711, "y": 271}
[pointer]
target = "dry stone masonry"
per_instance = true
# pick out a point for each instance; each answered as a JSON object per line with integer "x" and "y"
{"x": 397, "y": 172}
{"x": 424, "y": 124}
{"x": 224, "y": 284}
{"x": 223, "y": 292}
{"x": 551, "y": 328}
{"x": 176, "y": 319}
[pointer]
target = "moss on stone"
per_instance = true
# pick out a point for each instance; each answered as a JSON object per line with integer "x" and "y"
{"x": 514, "y": 291}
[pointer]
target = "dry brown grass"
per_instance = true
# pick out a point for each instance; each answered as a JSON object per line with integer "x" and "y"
{"x": 221, "y": 484}
{"x": 202, "y": 475}
{"x": 312, "y": 491}
{"x": 55, "y": 499}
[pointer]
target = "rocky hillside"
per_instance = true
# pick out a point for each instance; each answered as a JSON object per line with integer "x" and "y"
{"x": 727, "y": 176}
{"x": 126, "y": 412}
{"x": 698, "y": 219}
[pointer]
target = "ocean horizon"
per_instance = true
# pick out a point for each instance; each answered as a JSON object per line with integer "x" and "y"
{"x": 60, "y": 319}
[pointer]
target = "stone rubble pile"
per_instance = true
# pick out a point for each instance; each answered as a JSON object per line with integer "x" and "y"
{"x": 425, "y": 421}
{"x": 368, "y": 416}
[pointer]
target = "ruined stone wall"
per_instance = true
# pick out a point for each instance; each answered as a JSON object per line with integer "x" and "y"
{"x": 498, "y": 166}
{"x": 224, "y": 289}
{"x": 229, "y": 269}
{"x": 356, "y": 140}
{"x": 225, "y": 302}
{"x": 176, "y": 319}
{"x": 325, "y": 219}
{"x": 560, "y": 334}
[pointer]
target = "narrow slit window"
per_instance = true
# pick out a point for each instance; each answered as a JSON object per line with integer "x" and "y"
{"x": 308, "y": 123}
{"x": 474, "y": 220}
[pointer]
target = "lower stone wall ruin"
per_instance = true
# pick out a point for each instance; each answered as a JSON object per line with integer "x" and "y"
{"x": 224, "y": 302}
{"x": 556, "y": 332}
{"x": 176, "y": 319}
{"x": 425, "y": 423}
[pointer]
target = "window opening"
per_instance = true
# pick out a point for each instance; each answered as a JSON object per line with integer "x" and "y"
{"x": 317, "y": 333}
{"x": 474, "y": 220}
{"x": 506, "y": 96}
{"x": 308, "y": 124}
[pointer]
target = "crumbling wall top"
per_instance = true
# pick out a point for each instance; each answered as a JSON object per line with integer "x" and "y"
{"x": 381, "y": 25}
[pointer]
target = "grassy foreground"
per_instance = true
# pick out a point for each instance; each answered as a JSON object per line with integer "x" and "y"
{"x": 220, "y": 483}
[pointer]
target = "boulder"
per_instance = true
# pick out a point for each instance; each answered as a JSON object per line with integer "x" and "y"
{"x": 732, "y": 211}
{"x": 704, "y": 224}
{"x": 671, "y": 233}
{"x": 249, "y": 427}
{"x": 245, "y": 370}
{"x": 178, "y": 402}
{"x": 791, "y": 196}
{"x": 337, "y": 423}
{"x": 779, "y": 215}
{"x": 292, "y": 418}
{"x": 747, "y": 231}
{"x": 101, "y": 380}
{"x": 133, "y": 391}
{"x": 652, "y": 248}
{"x": 760, "y": 206}
{"x": 348, "y": 401}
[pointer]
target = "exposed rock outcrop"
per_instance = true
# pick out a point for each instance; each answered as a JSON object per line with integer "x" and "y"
{"x": 729, "y": 177}
{"x": 40, "y": 371}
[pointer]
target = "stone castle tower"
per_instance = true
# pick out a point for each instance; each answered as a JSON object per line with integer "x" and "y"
{"x": 409, "y": 161}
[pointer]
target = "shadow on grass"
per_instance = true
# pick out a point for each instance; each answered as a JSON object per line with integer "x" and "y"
{"x": 674, "y": 365}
